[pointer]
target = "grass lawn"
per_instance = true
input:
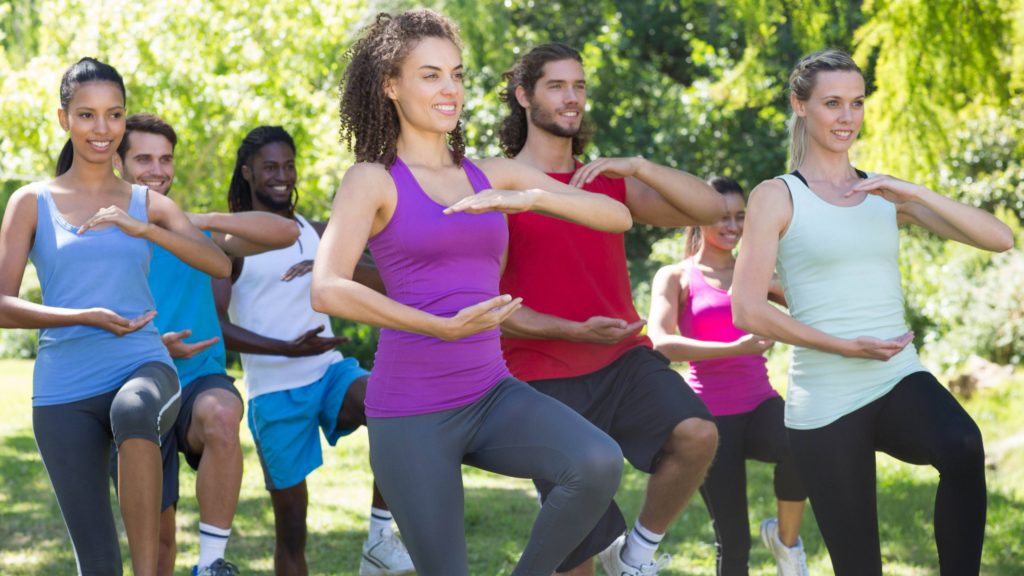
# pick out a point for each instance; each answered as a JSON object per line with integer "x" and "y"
{"x": 499, "y": 510}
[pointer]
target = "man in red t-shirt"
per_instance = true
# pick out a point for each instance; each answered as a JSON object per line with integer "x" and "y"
{"x": 578, "y": 336}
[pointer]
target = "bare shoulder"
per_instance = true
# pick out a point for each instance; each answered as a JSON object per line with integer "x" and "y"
{"x": 367, "y": 179}
{"x": 672, "y": 275}
{"x": 22, "y": 208}
{"x": 770, "y": 201}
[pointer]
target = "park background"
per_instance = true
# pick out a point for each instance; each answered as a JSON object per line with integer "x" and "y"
{"x": 698, "y": 85}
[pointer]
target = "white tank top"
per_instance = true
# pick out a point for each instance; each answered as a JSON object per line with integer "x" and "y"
{"x": 840, "y": 270}
{"x": 262, "y": 303}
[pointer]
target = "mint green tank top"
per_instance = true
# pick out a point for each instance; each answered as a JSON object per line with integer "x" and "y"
{"x": 840, "y": 269}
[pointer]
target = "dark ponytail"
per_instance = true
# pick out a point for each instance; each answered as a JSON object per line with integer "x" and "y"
{"x": 84, "y": 71}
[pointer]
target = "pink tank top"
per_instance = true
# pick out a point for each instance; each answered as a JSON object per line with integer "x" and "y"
{"x": 731, "y": 385}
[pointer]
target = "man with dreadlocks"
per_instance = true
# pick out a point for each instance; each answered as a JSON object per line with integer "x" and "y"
{"x": 577, "y": 337}
{"x": 295, "y": 378}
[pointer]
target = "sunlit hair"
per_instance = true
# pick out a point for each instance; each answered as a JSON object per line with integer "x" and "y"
{"x": 526, "y": 72}
{"x": 801, "y": 85}
{"x": 239, "y": 191}
{"x": 84, "y": 71}
{"x": 369, "y": 119}
{"x": 148, "y": 124}
{"x": 693, "y": 240}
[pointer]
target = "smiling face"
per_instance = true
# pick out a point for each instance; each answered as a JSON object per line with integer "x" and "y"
{"x": 271, "y": 176}
{"x": 95, "y": 121}
{"x": 428, "y": 93}
{"x": 149, "y": 161}
{"x": 725, "y": 234}
{"x": 834, "y": 112}
{"x": 558, "y": 100}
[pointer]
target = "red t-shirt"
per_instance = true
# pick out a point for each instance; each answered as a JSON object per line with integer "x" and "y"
{"x": 573, "y": 272}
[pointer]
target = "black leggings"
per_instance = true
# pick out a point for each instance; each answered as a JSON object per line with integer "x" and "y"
{"x": 759, "y": 435}
{"x": 918, "y": 422}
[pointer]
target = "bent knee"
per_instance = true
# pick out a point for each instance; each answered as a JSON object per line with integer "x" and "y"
{"x": 598, "y": 467}
{"x": 963, "y": 450}
{"x": 693, "y": 439}
{"x": 219, "y": 423}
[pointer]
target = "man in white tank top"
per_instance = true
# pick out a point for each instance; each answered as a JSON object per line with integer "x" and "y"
{"x": 296, "y": 379}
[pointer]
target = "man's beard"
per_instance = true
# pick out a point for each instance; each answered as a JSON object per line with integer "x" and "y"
{"x": 273, "y": 203}
{"x": 546, "y": 122}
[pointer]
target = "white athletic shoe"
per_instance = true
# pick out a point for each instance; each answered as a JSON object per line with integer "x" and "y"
{"x": 611, "y": 561}
{"x": 789, "y": 561}
{"x": 386, "y": 556}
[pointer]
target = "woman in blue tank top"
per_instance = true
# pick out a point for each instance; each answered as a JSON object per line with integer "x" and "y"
{"x": 856, "y": 384}
{"x": 102, "y": 373}
{"x": 440, "y": 394}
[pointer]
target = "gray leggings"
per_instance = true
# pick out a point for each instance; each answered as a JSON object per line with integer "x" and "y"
{"x": 74, "y": 442}
{"x": 513, "y": 430}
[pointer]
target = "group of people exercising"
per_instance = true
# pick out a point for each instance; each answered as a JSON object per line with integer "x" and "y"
{"x": 509, "y": 339}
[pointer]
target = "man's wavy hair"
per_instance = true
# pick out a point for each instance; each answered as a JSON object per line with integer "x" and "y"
{"x": 526, "y": 72}
{"x": 369, "y": 120}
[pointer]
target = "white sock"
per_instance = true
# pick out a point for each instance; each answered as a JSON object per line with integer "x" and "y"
{"x": 380, "y": 520}
{"x": 212, "y": 542}
{"x": 641, "y": 544}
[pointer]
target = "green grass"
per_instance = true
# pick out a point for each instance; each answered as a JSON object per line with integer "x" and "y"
{"x": 499, "y": 510}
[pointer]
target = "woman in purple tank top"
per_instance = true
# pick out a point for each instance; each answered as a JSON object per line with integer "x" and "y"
{"x": 440, "y": 394}
{"x": 691, "y": 321}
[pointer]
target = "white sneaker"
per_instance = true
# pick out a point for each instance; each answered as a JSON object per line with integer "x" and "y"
{"x": 385, "y": 556}
{"x": 789, "y": 561}
{"x": 611, "y": 561}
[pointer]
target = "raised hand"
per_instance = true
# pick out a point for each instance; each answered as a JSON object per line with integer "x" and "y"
{"x": 311, "y": 344}
{"x": 605, "y": 330}
{"x": 611, "y": 167}
{"x": 753, "y": 345}
{"x": 876, "y": 348}
{"x": 506, "y": 201}
{"x": 481, "y": 317}
{"x": 178, "y": 348}
{"x": 117, "y": 217}
{"x": 115, "y": 323}
{"x": 299, "y": 269}
{"x": 892, "y": 189}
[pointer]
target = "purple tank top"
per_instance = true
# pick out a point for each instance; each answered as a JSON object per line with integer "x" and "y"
{"x": 732, "y": 385}
{"x": 439, "y": 264}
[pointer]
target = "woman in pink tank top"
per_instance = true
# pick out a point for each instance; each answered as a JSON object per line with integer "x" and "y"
{"x": 691, "y": 321}
{"x": 440, "y": 394}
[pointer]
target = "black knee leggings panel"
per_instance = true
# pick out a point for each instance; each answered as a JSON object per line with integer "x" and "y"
{"x": 759, "y": 435}
{"x": 918, "y": 422}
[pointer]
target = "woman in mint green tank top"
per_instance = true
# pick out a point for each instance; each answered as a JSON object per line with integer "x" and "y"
{"x": 856, "y": 384}
{"x": 102, "y": 374}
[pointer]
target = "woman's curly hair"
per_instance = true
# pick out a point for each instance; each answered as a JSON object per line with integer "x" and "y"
{"x": 369, "y": 120}
{"x": 526, "y": 72}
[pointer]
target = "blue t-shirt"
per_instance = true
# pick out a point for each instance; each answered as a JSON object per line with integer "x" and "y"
{"x": 184, "y": 300}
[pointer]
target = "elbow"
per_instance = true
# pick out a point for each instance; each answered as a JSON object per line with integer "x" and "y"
{"x": 1005, "y": 241}
{"x": 743, "y": 317}
{"x": 623, "y": 219}
{"x": 290, "y": 234}
{"x": 221, "y": 267}
{"x": 318, "y": 297}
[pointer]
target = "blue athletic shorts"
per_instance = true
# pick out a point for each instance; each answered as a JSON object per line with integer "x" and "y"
{"x": 284, "y": 424}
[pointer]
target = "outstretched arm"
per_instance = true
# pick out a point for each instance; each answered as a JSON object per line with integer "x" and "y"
{"x": 528, "y": 324}
{"x": 247, "y": 233}
{"x": 768, "y": 215}
{"x": 362, "y": 207}
{"x": 519, "y": 187}
{"x": 916, "y": 204}
{"x": 239, "y": 339}
{"x": 656, "y": 194}
{"x": 668, "y": 289}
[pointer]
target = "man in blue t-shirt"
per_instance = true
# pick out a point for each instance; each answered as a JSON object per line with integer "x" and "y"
{"x": 206, "y": 430}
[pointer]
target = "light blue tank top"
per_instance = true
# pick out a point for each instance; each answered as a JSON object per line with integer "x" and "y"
{"x": 840, "y": 269}
{"x": 101, "y": 268}
{"x": 184, "y": 300}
